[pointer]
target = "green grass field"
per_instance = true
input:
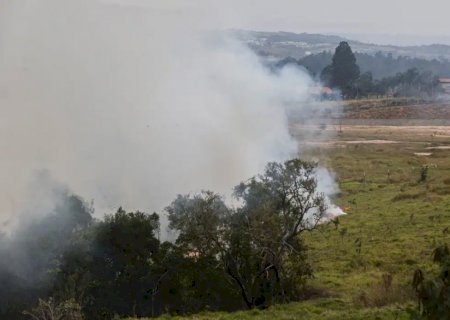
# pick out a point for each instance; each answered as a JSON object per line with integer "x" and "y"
{"x": 364, "y": 265}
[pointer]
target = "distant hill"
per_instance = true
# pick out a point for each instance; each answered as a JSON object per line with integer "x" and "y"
{"x": 298, "y": 45}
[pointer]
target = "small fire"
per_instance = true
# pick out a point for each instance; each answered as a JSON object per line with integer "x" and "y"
{"x": 334, "y": 212}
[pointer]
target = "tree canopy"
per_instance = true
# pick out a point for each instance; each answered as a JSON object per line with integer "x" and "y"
{"x": 223, "y": 258}
{"x": 258, "y": 244}
{"x": 343, "y": 71}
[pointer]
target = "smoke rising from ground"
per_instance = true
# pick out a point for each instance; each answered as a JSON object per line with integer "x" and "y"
{"x": 129, "y": 105}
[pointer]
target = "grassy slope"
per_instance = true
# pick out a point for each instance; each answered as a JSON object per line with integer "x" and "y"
{"x": 317, "y": 310}
{"x": 397, "y": 236}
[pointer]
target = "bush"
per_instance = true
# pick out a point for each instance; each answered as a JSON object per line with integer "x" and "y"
{"x": 51, "y": 310}
{"x": 423, "y": 174}
{"x": 434, "y": 293}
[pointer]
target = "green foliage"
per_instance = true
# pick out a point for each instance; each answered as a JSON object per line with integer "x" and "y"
{"x": 365, "y": 85}
{"x": 380, "y": 65}
{"x": 113, "y": 256}
{"x": 256, "y": 246}
{"x": 343, "y": 71}
{"x": 49, "y": 310}
{"x": 395, "y": 240}
{"x": 380, "y": 74}
{"x": 30, "y": 260}
{"x": 423, "y": 174}
{"x": 410, "y": 83}
{"x": 222, "y": 259}
{"x": 434, "y": 294}
{"x": 391, "y": 243}
{"x": 315, "y": 63}
{"x": 189, "y": 283}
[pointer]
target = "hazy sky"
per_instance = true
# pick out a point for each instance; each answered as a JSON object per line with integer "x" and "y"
{"x": 417, "y": 21}
{"x": 353, "y": 16}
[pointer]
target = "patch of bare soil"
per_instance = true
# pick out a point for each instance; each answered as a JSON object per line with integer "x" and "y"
{"x": 423, "y": 111}
{"x": 443, "y": 131}
{"x": 343, "y": 143}
{"x": 422, "y": 154}
{"x": 439, "y": 148}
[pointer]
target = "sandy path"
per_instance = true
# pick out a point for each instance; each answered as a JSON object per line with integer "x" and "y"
{"x": 440, "y": 130}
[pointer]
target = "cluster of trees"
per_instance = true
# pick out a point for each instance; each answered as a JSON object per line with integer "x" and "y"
{"x": 386, "y": 65}
{"x": 344, "y": 74}
{"x": 380, "y": 65}
{"x": 69, "y": 264}
{"x": 410, "y": 83}
{"x": 362, "y": 75}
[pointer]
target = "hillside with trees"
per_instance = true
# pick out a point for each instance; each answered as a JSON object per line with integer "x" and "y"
{"x": 345, "y": 74}
{"x": 379, "y": 64}
{"x": 299, "y": 45}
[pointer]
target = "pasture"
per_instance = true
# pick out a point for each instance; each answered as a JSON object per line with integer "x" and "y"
{"x": 394, "y": 184}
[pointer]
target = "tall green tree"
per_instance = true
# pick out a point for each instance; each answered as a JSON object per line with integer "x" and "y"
{"x": 343, "y": 71}
{"x": 125, "y": 245}
{"x": 108, "y": 268}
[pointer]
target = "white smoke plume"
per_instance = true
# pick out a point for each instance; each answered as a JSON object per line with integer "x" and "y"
{"x": 132, "y": 102}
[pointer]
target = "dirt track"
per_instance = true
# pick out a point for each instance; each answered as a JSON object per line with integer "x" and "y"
{"x": 423, "y": 111}
{"x": 437, "y": 137}
{"x": 431, "y": 130}
{"x": 371, "y": 122}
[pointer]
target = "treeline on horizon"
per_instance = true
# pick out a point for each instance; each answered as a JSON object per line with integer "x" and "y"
{"x": 381, "y": 65}
{"x": 68, "y": 265}
{"x": 376, "y": 75}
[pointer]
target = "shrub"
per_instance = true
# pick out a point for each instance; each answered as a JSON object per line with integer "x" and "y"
{"x": 51, "y": 310}
{"x": 434, "y": 293}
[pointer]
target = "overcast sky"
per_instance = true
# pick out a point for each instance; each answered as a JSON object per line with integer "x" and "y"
{"x": 353, "y": 16}
{"x": 414, "y": 20}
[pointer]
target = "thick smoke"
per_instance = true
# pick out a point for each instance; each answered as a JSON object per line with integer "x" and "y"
{"x": 129, "y": 105}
